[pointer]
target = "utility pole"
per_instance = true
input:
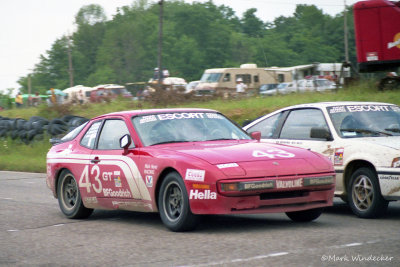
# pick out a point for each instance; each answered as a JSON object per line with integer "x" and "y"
{"x": 29, "y": 85}
{"x": 346, "y": 34}
{"x": 70, "y": 68}
{"x": 160, "y": 36}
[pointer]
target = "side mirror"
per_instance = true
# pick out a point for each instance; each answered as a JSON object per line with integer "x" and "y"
{"x": 256, "y": 135}
{"x": 321, "y": 133}
{"x": 124, "y": 142}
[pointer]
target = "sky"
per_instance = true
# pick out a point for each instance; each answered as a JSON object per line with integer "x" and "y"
{"x": 28, "y": 28}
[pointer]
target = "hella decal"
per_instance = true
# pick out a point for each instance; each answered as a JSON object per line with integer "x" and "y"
{"x": 195, "y": 175}
{"x": 207, "y": 194}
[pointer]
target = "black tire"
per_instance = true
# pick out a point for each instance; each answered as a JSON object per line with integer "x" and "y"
{"x": 305, "y": 215}
{"x": 173, "y": 204}
{"x": 364, "y": 194}
{"x": 69, "y": 197}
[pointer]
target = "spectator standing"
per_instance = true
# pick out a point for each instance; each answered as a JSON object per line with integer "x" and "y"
{"x": 80, "y": 97}
{"x": 240, "y": 86}
{"x": 18, "y": 100}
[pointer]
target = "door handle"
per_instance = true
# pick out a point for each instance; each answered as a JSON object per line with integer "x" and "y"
{"x": 95, "y": 160}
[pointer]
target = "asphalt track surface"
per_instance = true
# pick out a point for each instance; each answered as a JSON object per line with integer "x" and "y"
{"x": 33, "y": 232}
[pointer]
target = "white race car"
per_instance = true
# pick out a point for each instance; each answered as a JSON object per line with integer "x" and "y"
{"x": 362, "y": 139}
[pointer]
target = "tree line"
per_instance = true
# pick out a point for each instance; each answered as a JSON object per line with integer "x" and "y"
{"x": 196, "y": 37}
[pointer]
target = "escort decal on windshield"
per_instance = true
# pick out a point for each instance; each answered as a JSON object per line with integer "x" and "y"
{"x": 179, "y": 116}
{"x": 360, "y": 108}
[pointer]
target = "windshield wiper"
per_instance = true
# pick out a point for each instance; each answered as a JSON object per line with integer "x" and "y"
{"x": 395, "y": 130}
{"x": 169, "y": 142}
{"x": 217, "y": 139}
{"x": 368, "y": 131}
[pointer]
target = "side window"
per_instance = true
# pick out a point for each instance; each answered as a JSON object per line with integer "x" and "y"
{"x": 267, "y": 127}
{"x": 245, "y": 77}
{"x": 90, "y": 136}
{"x": 112, "y": 131}
{"x": 256, "y": 79}
{"x": 299, "y": 123}
{"x": 227, "y": 77}
{"x": 281, "y": 78}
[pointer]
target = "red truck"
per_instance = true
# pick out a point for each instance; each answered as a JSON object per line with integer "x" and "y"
{"x": 377, "y": 30}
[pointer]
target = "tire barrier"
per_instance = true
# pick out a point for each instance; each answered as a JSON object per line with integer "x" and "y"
{"x": 36, "y": 127}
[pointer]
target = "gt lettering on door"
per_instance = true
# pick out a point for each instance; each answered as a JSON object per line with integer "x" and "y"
{"x": 272, "y": 153}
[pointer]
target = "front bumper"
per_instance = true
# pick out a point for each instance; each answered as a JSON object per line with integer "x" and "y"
{"x": 264, "y": 200}
{"x": 389, "y": 182}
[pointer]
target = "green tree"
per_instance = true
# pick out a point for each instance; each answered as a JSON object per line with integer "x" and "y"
{"x": 251, "y": 25}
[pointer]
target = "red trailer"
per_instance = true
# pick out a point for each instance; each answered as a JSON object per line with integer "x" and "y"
{"x": 377, "y": 29}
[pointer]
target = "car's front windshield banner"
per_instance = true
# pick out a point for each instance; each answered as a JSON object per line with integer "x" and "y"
{"x": 365, "y": 120}
{"x": 185, "y": 127}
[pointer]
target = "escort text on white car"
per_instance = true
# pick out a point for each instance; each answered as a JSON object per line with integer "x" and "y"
{"x": 362, "y": 139}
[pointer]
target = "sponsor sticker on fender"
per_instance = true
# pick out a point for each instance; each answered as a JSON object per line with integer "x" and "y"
{"x": 195, "y": 175}
{"x": 207, "y": 194}
{"x": 149, "y": 180}
{"x": 338, "y": 159}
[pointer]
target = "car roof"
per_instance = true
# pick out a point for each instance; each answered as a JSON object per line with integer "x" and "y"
{"x": 130, "y": 113}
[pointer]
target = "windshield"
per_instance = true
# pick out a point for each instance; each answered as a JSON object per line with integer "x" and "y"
{"x": 365, "y": 120}
{"x": 282, "y": 85}
{"x": 179, "y": 127}
{"x": 72, "y": 134}
{"x": 210, "y": 77}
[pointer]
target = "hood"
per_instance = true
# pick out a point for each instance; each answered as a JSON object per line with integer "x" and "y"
{"x": 388, "y": 141}
{"x": 252, "y": 158}
{"x": 205, "y": 86}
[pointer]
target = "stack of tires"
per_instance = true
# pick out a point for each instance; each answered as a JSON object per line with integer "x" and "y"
{"x": 36, "y": 127}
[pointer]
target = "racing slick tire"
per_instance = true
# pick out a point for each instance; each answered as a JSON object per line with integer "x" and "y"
{"x": 364, "y": 195}
{"x": 305, "y": 215}
{"x": 173, "y": 204}
{"x": 69, "y": 197}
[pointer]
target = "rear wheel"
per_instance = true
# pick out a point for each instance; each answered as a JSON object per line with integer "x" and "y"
{"x": 305, "y": 215}
{"x": 173, "y": 203}
{"x": 69, "y": 197}
{"x": 364, "y": 194}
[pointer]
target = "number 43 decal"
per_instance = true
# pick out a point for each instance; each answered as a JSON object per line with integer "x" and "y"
{"x": 84, "y": 180}
{"x": 273, "y": 153}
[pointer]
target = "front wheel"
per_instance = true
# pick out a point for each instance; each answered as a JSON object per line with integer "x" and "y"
{"x": 173, "y": 203}
{"x": 69, "y": 197}
{"x": 364, "y": 194}
{"x": 305, "y": 215}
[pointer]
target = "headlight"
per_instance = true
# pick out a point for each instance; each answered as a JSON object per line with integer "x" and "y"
{"x": 396, "y": 163}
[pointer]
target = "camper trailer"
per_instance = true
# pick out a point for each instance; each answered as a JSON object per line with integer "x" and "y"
{"x": 223, "y": 80}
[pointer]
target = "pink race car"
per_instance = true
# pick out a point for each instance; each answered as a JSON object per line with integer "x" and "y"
{"x": 183, "y": 163}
